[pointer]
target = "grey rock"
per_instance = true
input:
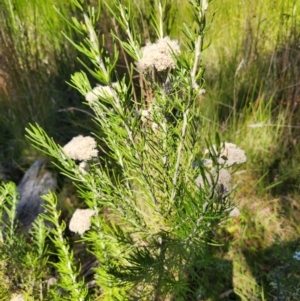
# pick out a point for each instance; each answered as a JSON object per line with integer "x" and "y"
{"x": 37, "y": 181}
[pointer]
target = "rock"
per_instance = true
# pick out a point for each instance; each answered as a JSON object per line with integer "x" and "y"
{"x": 37, "y": 181}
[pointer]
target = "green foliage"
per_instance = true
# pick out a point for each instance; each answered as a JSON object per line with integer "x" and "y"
{"x": 24, "y": 262}
{"x": 152, "y": 220}
{"x": 72, "y": 288}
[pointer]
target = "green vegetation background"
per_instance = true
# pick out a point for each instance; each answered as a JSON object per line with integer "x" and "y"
{"x": 252, "y": 98}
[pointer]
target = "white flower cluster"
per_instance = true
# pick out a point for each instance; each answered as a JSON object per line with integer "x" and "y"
{"x": 159, "y": 55}
{"x": 146, "y": 117}
{"x": 84, "y": 167}
{"x": 81, "y": 148}
{"x": 234, "y": 212}
{"x": 224, "y": 180}
{"x": 230, "y": 154}
{"x": 17, "y": 298}
{"x": 51, "y": 281}
{"x": 81, "y": 220}
{"x": 102, "y": 92}
{"x": 221, "y": 179}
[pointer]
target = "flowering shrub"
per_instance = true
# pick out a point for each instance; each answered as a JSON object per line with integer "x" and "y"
{"x": 152, "y": 201}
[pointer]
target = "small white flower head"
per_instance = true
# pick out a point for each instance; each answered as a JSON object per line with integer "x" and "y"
{"x": 200, "y": 181}
{"x": 230, "y": 154}
{"x": 159, "y": 55}
{"x": 145, "y": 115}
{"x": 223, "y": 180}
{"x": 97, "y": 92}
{"x": 81, "y": 220}
{"x": 202, "y": 92}
{"x": 102, "y": 92}
{"x": 51, "y": 281}
{"x": 84, "y": 167}
{"x": 297, "y": 255}
{"x": 235, "y": 212}
{"x": 17, "y": 298}
{"x": 81, "y": 148}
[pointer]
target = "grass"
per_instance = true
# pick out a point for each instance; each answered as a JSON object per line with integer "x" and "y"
{"x": 252, "y": 90}
{"x": 36, "y": 63}
{"x": 253, "y": 94}
{"x": 253, "y": 82}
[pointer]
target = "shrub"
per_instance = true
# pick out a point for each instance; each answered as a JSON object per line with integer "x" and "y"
{"x": 157, "y": 188}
